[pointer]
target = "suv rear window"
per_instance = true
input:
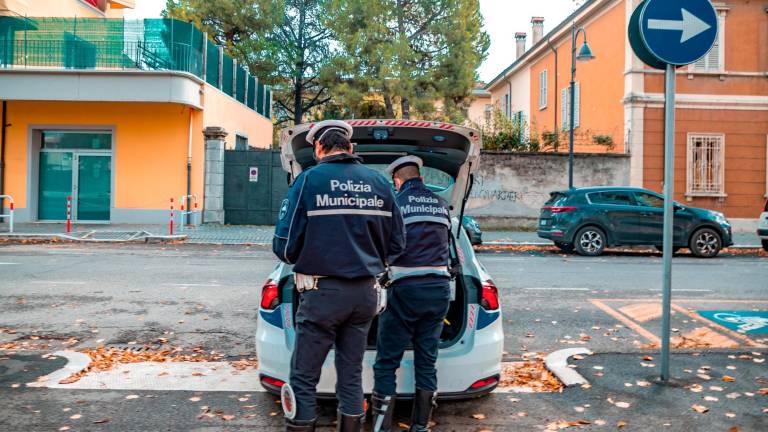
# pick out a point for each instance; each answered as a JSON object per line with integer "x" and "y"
{"x": 556, "y": 199}
{"x": 611, "y": 197}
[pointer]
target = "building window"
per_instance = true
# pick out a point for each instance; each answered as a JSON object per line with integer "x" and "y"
{"x": 543, "y": 89}
{"x": 507, "y": 105}
{"x": 714, "y": 61}
{"x": 488, "y": 113}
{"x": 565, "y": 108}
{"x": 706, "y": 165}
{"x": 241, "y": 142}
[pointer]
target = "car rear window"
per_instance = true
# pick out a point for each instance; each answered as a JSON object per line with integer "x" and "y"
{"x": 434, "y": 178}
{"x": 556, "y": 199}
{"x": 611, "y": 197}
{"x": 765, "y": 208}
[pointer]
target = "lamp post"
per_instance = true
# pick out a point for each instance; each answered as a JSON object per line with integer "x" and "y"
{"x": 585, "y": 54}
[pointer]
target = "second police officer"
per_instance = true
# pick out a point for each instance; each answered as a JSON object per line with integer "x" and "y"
{"x": 339, "y": 226}
{"x": 418, "y": 298}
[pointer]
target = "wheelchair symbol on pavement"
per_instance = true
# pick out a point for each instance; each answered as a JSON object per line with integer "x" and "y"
{"x": 741, "y": 321}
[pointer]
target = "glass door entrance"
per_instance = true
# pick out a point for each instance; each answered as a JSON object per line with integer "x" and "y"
{"x": 75, "y": 164}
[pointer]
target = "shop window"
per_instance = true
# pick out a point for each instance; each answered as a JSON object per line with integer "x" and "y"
{"x": 66, "y": 140}
{"x": 706, "y": 165}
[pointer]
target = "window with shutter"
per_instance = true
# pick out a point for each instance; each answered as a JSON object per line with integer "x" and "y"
{"x": 577, "y": 107}
{"x": 714, "y": 60}
{"x": 706, "y": 165}
{"x": 543, "y": 89}
{"x": 564, "y": 109}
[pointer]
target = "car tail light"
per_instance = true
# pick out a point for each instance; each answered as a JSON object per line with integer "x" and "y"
{"x": 560, "y": 209}
{"x": 484, "y": 382}
{"x": 273, "y": 381}
{"x": 269, "y": 295}
{"x": 490, "y": 300}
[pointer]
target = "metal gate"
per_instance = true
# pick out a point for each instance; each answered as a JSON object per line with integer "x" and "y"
{"x": 254, "y": 186}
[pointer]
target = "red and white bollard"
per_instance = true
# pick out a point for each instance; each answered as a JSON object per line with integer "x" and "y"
{"x": 170, "y": 225}
{"x": 69, "y": 214}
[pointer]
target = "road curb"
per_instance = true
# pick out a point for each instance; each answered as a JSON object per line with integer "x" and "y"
{"x": 557, "y": 363}
{"x": 76, "y": 362}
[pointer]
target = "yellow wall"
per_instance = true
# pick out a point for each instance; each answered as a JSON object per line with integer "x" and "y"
{"x": 150, "y": 147}
{"x": 224, "y": 111}
{"x": 476, "y": 111}
{"x": 57, "y": 8}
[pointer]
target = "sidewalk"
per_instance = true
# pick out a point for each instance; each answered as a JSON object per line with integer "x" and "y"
{"x": 261, "y": 235}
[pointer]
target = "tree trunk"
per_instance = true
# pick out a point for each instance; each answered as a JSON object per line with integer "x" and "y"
{"x": 298, "y": 90}
{"x": 388, "y": 106}
{"x": 406, "y": 106}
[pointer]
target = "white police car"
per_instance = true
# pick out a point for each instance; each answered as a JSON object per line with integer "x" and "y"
{"x": 469, "y": 361}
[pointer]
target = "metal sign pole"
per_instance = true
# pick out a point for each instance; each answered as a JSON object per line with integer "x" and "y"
{"x": 669, "y": 191}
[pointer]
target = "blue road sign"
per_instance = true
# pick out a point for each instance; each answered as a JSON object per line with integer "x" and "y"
{"x": 678, "y": 32}
{"x": 747, "y": 322}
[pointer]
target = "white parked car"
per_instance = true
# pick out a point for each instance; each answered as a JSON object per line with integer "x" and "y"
{"x": 469, "y": 360}
{"x": 762, "y": 227}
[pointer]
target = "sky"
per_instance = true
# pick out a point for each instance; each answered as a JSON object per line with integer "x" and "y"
{"x": 503, "y": 18}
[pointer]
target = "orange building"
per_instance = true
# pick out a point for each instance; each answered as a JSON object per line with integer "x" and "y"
{"x": 111, "y": 113}
{"x": 722, "y": 111}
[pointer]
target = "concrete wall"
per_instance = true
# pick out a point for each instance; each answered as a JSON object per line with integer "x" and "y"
{"x": 510, "y": 188}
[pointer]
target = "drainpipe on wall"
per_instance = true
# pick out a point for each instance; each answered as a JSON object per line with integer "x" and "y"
{"x": 509, "y": 101}
{"x": 556, "y": 95}
{"x": 2, "y": 153}
{"x": 189, "y": 170}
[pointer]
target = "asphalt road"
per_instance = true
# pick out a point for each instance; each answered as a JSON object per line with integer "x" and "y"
{"x": 208, "y": 296}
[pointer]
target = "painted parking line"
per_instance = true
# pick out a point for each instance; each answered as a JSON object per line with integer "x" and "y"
{"x": 203, "y": 285}
{"x": 636, "y": 312}
{"x": 9, "y": 263}
{"x": 556, "y": 289}
{"x": 674, "y": 290}
{"x": 58, "y": 282}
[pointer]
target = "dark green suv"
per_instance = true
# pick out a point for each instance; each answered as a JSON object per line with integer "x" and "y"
{"x": 591, "y": 219}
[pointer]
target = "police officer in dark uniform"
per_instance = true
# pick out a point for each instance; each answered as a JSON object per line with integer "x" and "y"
{"x": 418, "y": 298}
{"x": 339, "y": 226}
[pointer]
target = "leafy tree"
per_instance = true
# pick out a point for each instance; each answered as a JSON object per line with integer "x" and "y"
{"x": 411, "y": 52}
{"x": 283, "y": 42}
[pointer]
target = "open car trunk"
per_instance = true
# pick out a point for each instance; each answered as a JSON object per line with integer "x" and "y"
{"x": 450, "y": 154}
{"x": 453, "y": 328}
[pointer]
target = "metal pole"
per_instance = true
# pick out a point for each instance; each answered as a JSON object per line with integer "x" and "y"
{"x": 669, "y": 194}
{"x": 572, "y": 108}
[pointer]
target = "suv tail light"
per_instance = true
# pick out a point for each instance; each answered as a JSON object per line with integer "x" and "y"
{"x": 269, "y": 295}
{"x": 490, "y": 299}
{"x": 560, "y": 209}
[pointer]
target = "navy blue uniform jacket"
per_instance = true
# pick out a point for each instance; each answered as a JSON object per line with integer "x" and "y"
{"x": 340, "y": 220}
{"x": 428, "y": 224}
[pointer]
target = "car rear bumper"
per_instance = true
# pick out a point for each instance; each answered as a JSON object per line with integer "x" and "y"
{"x": 763, "y": 233}
{"x": 477, "y": 357}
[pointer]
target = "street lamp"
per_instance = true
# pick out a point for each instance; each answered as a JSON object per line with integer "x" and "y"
{"x": 585, "y": 55}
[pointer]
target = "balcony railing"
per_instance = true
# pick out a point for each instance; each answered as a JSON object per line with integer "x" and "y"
{"x": 108, "y": 44}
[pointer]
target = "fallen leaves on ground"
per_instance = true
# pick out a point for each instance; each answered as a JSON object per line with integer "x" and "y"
{"x": 532, "y": 374}
{"x": 104, "y": 359}
{"x": 564, "y": 424}
{"x": 701, "y": 409}
{"x": 478, "y": 416}
{"x": 728, "y": 378}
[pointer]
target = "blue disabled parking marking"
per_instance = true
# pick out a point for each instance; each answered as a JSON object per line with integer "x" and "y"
{"x": 746, "y": 322}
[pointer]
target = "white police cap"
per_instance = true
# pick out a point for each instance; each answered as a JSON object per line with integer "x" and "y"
{"x": 327, "y": 125}
{"x": 405, "y": 160}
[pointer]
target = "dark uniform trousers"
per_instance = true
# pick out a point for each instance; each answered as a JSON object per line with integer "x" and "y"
{"x": 416, "y": 308}
{"x": 339, "y": 312}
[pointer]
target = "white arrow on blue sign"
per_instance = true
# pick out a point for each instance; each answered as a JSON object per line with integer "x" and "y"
{"x": 678, "y": 32}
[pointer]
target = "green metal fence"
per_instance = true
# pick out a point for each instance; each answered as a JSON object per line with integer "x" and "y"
{"x": 150, "y": 44}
